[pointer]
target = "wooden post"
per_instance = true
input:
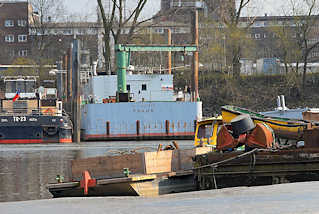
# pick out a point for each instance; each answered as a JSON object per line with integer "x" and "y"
{"x": 69, "y": 81}
{"x": 65, "y": 78}
{"x": 195, "y": 57}
{"x": 169, "y": 53}
{"x": 76, "y": 91}
{"x": 59, "y": 79}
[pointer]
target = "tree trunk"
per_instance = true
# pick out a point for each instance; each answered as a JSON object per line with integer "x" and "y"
{"x": 107, "y": 54}
{"x": 286, "y": 67}
{"x": 304, "y": 72}
{"x": 236, "y": 66}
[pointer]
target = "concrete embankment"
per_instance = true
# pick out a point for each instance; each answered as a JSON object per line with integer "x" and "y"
{"x": 282, "y": 198}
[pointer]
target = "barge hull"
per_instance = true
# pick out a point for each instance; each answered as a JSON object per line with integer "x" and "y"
{"x": 35, "y": 129}
{"x": 143, "y": 185}
{"x": 259, "y": 168}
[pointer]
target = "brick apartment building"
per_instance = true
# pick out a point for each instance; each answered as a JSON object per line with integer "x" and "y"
{"x": 262, "y": 32}
{"x": 15, "y": 18}
{"x": 20, "y": 34}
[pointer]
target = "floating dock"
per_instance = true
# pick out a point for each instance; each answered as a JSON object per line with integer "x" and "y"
{"x": 140, "y": 174}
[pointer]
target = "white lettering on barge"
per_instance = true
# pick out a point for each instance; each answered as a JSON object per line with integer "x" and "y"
{"x": 19, "y": 119}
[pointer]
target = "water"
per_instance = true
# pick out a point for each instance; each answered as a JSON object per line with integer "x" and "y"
{"x": 25, "y": 170}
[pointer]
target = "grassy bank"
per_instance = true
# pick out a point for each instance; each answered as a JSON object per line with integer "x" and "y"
{"x": 257, "y": 92}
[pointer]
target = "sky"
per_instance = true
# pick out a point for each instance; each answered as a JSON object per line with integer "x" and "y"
{"x": 259, "y": 7}
{"x": 88, "y": 6}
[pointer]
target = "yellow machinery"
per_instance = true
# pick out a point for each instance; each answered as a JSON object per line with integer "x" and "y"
{"x": 206, "y": 131}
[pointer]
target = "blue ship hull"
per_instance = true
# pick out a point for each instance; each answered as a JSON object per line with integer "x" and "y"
{"x": 140, "y": 120}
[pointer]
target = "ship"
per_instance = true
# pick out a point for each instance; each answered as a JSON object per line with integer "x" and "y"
{"x": 154, "y": 111}
{"x": 285, "y": 128}
{"x": 32, "y": 115}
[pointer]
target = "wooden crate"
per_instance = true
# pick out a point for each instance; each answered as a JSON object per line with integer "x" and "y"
{"x": 158, "y": 162}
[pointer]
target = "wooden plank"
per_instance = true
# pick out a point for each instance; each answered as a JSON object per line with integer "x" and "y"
{"x": 158, "y": 162}
{"x": 108, "y": 166}
{"x": 182, "y": 159}
{"x": 63, "y": 185}
{"x": 143, "y": 177}
{"x": 113, "y": 181}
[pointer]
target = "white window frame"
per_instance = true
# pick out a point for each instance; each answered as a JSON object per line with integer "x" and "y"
{"x": 9, "y": 38}
{"x": 8, "y": 23}
{"x": 22, "y": 38}
{"x": 23, "y": 52}
{"x": 257, "y": 35}
{"x": 159, "y": 30}
{"x": 22, "y": 23}
{"x": 67, "y": 32}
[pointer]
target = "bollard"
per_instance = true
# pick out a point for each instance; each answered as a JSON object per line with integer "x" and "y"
{"x": 108, "y": 128}
{"x": 167, "y": 126}
{"x": 138, "y": 125}
{"x": 126, "y": 171}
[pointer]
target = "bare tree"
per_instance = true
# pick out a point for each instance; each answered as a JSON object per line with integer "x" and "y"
{"x": 46, "y": 13}
{"x": 305, "y": 19}
{"x": 230, "y": 18}
{"x": 116, "y": 21}
{"x": 285, "y": 44}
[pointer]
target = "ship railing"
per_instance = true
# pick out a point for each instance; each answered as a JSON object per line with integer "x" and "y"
{"x": 27, "y": 111}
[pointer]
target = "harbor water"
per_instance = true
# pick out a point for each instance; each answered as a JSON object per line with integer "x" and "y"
{"x": 25, "y": 170}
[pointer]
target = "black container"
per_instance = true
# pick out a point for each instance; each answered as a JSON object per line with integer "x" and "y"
{"x": 242, "y": 124}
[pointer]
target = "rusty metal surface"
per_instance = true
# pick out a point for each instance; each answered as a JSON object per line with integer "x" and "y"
{"x": 261, "y": 137}
{"x": 259, "y": 168}
{"x": 311, "y": 137}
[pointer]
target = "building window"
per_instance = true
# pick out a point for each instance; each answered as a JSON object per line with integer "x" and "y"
{"x": 82, "y": 31}
{"x": 22, "y": 23}
{"x": 8, "y": 23}
{"x": 23, "y": 52}
{"x": 128, "y": 87}
{"x": 67, "y": 32}
{"x": 9, "y": 38}
{"x": 257, "y": 36}
{"x": 22, "y": 38}
{"x": 159, "y": 30}
{"x": 144, "y": 87}
{"x": 176, "y": 30}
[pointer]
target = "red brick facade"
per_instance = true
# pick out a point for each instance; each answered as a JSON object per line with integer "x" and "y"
{"x": 14, "y": 30}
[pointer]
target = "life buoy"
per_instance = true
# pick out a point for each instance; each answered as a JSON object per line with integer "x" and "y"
{"x": 51, "y": 130}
